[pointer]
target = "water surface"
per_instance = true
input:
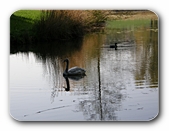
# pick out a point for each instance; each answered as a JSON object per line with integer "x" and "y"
{"x": 120, "y": 85}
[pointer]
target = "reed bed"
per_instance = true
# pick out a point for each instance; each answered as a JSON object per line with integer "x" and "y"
{"x": 67, "y": 24}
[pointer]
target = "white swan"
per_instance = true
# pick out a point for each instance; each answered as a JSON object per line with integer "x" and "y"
{"x": 72, "y": 71}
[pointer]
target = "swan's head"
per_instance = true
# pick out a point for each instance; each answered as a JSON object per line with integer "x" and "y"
{"x": 66, "y": 60}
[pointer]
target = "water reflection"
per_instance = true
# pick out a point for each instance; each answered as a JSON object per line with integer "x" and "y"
{"x": 75, "y": 78}
{"x": 119, "y": 84}
{"x": 67, "y": 83}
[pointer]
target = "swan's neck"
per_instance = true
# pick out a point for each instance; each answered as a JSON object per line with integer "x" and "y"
{"x": 67, "y": 65}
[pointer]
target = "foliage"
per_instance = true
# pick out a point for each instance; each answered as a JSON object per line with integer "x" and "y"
{"x": 59, "y": 24}
{"x": 97, "y": 17}
{"x": 52, "y": 25}
{"x": 66, "y": 24}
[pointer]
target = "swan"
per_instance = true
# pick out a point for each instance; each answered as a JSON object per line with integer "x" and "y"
{"x": 72, "y": 71}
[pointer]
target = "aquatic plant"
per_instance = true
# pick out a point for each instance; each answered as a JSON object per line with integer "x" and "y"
{"x": 66, "y": 24}
{"x": 55, "y": 25}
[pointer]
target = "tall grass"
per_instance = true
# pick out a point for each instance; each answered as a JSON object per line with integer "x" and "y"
{"x": 66, "y": 24}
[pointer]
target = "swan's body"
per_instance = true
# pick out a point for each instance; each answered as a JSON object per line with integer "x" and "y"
{"x": 72, "y": 71}
{"x": 75, "y": 71}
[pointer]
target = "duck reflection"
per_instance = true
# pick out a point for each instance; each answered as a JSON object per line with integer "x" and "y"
{"x": 75, "y": 78}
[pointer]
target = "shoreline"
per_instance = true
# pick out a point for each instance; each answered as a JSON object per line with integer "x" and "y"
{"x": 132, "y": 15}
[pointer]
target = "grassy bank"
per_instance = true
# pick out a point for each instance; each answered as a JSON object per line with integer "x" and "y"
{"x": 132, "y": 15}
{"x": 28, "y": 26}
{"x": 21, "y": 24}
{"x": 127, "y": 23}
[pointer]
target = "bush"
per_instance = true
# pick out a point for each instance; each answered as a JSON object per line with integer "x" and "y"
{"x": 59, "y": 24}
{"x": 66, "y": 24}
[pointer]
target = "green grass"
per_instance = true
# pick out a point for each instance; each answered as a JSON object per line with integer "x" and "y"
{"x": 21, "y": 23}
{"x": 127, "y": 23}
{"x": 31, "y": 15}
{"x": 23, "y": 20}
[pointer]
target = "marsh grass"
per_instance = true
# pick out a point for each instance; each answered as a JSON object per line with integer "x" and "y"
{"x": 54, "y": 25}
{"x": 66, "y": 24}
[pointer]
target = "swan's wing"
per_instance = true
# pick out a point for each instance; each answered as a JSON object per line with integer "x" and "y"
{"x": 76, "y": 70}
{"x": 76, "y": 77}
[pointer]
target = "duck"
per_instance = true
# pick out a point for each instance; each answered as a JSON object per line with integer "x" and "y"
{"x": 74, "y": 71}
{"x": 114, "y": 46}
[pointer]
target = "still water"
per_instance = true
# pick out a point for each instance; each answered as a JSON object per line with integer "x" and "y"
{"x": 120, "y": 85}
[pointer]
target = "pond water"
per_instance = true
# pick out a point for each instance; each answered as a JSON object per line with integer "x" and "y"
{"x": 120, "y": 85}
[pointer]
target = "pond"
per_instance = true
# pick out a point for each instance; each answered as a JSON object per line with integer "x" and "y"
{"x": 120, "y": 84}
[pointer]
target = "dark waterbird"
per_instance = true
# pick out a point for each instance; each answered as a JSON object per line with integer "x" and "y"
{"x": 121, "y": 44}
{"x": 114, "y": 46}
{"x": 110, "y": 46}
{"x": 74, "y": 71}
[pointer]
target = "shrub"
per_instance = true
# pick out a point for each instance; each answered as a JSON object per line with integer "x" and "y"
{"x": 66, "y": 24}
{"x": 59, "y": 24}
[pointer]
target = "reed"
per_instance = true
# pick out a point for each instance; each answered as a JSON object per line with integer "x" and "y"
{"x": 54, "y": 25}
{"x": 66, "y": 24}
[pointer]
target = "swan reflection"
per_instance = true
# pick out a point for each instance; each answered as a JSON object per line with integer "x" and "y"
{"x": 74, "y": 78}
